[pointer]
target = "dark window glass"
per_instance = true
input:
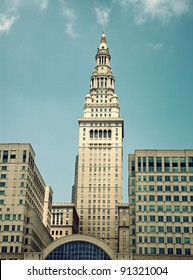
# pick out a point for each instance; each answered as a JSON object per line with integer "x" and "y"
{"x": 167, "y": 188}
{"x": 170, "y": 251}
{"x": 187, "y": 251}
{"x": 176, "y": 198}
{"x": 161, "y": 251}
{"x": 176, "y": 188}
{"x": 167, "y": 178}
{"x": 178, "y": 251}
{"x": 5, "y": 156}
{"x": 151, "y": 178}
{"x": 159, "y": 178}
{"x": 191, "y": 178}
{"x": 168, "y": 197}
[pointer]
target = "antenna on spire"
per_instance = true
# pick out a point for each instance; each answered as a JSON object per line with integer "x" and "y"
{"x": 103, "y": 20}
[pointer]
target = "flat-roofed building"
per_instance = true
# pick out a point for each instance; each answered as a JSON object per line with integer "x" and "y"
{"x": 64, "y": 220}
{"x": 22, "y": 197}
{"x": 161, "y": 203}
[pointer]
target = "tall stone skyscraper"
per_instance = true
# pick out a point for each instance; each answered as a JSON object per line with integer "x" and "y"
{"x": 98, "y": 190}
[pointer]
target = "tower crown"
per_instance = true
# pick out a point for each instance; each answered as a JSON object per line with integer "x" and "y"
{"x": 102, "y": 97}
{"x": 103, "y": 56}
{"x": 102, "y": 76}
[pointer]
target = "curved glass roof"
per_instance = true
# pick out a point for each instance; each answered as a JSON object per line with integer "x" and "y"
{"x": 78, "y": 250}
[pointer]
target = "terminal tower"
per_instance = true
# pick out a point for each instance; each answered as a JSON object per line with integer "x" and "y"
{"x": 98, "y": 177}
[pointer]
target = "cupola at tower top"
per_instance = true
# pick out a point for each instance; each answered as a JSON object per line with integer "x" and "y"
{"x": 103, "y": 56}
{"x": 101, "y": 97}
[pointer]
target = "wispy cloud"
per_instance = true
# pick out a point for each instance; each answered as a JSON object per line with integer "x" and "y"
{"x": 156, "y": 46}
{"x": 43, "y": 4}
{"x": 11, "y": 13}
{"x": 16, "y": 4}
{"x": 163, "y": 10}
{"x": 71, "y": 18}
{"x": 103, "y": 15}
{"x": 6, "y": 21}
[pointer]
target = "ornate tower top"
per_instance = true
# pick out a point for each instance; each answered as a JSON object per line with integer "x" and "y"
{"x": 102, "y": 97}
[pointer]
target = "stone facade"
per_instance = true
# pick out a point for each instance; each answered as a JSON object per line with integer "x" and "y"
{"x": 22, "y": 197}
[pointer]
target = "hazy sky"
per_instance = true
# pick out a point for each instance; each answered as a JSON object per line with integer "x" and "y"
{"x": 47, "y": 54}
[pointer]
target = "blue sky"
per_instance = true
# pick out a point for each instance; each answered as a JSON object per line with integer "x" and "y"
{"x": 47, "y": 54}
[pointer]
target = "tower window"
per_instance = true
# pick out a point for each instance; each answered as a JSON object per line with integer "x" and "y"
{"x": 109, "y": 133}
{"x": 96, "y": 133}
{"x": 91, "y": 134}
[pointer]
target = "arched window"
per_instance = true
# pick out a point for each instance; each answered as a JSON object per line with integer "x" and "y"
{"x": 109, "y": 133}
{"x": 100, "y": 133}
{"x": 96, "y": 133}
{"x": 105, "y": 134}
{"x": 91, "y": 134}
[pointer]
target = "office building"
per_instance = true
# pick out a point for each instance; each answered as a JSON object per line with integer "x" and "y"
{"x": 22, "y": 197}
{"x": 161, "y": 203}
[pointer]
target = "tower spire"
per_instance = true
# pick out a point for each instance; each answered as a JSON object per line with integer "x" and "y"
{"x": 103, "y": 38}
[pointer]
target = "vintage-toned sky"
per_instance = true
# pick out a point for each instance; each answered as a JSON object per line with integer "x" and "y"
{"x": 47, "y": 54}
